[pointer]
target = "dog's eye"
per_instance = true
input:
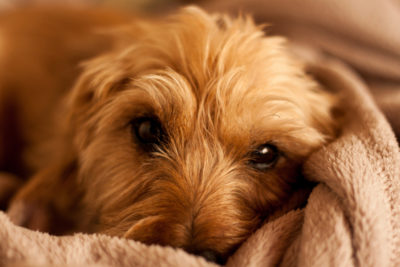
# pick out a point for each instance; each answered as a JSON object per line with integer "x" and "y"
{"x": 264, "y": 157}
{"x": 148, "y": 131}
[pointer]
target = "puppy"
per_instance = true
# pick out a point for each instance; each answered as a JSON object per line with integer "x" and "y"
{"x": 189, "y": 131}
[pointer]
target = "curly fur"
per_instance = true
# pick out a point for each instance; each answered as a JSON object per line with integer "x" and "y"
{"x": 220, "y": 88}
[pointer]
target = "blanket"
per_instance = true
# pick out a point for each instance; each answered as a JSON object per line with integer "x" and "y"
{"x": 352, "y": 216}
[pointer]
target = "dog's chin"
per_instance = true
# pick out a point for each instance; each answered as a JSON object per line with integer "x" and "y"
{"x": 157, "y": 230}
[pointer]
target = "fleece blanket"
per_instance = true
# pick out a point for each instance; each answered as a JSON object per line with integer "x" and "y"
{"x": 352, "y": 217}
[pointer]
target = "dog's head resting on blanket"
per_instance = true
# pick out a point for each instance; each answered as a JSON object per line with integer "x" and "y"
{"x": 192, "y": 130}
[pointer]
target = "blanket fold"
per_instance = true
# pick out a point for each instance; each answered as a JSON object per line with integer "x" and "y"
{"x": 361, "y": 172}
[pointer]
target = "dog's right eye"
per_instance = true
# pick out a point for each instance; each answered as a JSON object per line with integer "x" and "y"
{"x": 148, "y": 131}
{"x": 264, "y": 157}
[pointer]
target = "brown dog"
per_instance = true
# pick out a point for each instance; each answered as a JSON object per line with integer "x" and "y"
{"x": 190, "y": 131}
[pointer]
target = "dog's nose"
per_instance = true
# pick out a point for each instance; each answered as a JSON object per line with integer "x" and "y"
{"x": 210, "y": 255}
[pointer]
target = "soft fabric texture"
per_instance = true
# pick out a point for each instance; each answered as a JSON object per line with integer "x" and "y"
{"x": 352, "y": 217}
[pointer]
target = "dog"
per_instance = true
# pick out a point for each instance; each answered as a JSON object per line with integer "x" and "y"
{"x": 187, "y": 131}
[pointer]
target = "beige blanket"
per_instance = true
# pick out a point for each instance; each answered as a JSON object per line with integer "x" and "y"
{"x": 352, "y": 217}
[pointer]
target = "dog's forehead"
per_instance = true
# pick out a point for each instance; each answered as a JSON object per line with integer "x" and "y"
{"x": 227, "y": 76}
{"x": 237, "y": 93}
{"x": 232, "y": 83}
{"x": 246, "y": 104}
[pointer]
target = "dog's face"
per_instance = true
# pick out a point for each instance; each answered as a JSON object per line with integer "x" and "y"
{"x": 192, "y": 134}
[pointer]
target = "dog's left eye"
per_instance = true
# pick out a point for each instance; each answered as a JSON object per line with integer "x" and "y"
{"x": 264, "y": 157}
{"x": 148, "y": 131}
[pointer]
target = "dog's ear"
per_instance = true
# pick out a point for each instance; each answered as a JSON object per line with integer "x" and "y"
{"x": 322, "y": 104}
{"x": 101, "y": 77}
{"x": 50, "y": 201}
{"x": 59, "y": 194}
{"x": 317, "y": 102}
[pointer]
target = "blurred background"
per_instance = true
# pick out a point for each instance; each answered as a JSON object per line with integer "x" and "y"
{"x": 150, "y": 6}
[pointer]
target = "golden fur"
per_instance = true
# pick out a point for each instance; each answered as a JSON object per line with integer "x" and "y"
{"x": 220, "y": 89}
